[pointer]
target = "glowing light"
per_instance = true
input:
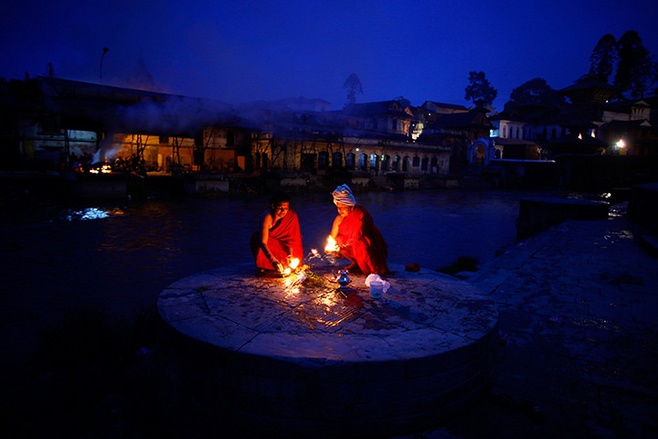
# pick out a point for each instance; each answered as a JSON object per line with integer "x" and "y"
{"x": 293, "y": 263}
{"x": 620, "y": 144}
{"x": 90, "y": 213}
{"x": 331, "y": 245}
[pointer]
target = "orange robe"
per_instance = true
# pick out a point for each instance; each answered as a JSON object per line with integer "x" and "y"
{"x": 365, "y": 243}
{"x": 285, "y": 239}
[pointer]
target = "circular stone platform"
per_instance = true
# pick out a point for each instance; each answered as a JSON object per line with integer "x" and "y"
{"x": 304, "y": 359}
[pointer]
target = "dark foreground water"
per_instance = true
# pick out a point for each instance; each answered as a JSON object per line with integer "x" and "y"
{"x": 119, "y": 257}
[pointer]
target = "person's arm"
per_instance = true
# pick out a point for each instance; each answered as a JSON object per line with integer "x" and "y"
{"x": 334, "y": 232}
{"x": 264, "y": 238}
{"x": 335, "y": 225}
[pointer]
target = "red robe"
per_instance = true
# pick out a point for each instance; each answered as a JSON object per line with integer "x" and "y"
{"x": 365, "y": 243}
{"x": 285, "y": 239}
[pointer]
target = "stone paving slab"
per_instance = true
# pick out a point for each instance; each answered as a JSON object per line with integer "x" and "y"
{"x": 281, "y": 317}
{"x": 304, "y": 357}
{"x": 579, "y": 336}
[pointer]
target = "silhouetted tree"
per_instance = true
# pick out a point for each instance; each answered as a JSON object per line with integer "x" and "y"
{"x": 536, "y": 91}
{"x": 534, "y": 98}
{"x": 479, "y": 90}
{"x": 353, "y": 86}
{"x": 603, "y": 58}
{"x": 635, "y": 68}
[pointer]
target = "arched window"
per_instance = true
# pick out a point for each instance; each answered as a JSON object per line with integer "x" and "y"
{"x": 396, "y": 163}
{"x": 363, "y": 165}
{"x": 415, "y": 162}
{"x": 386, "y": 162}
{"x": 350, "y": 160}
{"x": 424, "y": 164}
{"x": 323, "y": 160}
{"x": 405, "y": 163}
{"x": 374, "y": 159}
{"x": 337, "y": 160}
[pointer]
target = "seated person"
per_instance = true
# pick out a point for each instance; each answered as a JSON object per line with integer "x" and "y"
{"x": 356, "y": 235}
{"x": 278, "y": 238}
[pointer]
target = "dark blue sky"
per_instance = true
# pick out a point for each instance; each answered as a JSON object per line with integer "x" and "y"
{"x": 245, "y": 50}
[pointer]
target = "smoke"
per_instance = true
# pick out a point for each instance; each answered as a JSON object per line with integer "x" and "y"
{"x": 107, "y": 151}
{"x": 171, "y": 115}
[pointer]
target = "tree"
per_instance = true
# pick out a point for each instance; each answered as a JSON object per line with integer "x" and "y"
{"x": 480, "y": 90}
{"x": 536, "y": 91}
{"x": 353, "y": 86}
{"x": 634, "y": 70}
{"x": 603, "y": 58}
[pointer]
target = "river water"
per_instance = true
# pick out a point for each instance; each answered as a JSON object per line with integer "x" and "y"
{"x": 119, "y": 257}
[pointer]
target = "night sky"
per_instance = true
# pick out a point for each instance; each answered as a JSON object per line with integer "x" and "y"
{"x": 239, "y": 51}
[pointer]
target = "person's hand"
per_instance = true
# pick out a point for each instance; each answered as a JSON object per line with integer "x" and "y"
{"x": 279, "y": 266}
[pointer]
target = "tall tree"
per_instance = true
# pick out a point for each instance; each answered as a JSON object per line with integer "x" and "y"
{"x": 635, "y": 65}
{"x": 603, "y": 58}
{"x": 536, "y": 91}
{"x": 479, "y": 89}
{"x": 353, "y": 86}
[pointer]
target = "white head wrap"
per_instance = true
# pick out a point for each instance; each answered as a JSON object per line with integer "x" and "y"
{"x": 343, "y": 195}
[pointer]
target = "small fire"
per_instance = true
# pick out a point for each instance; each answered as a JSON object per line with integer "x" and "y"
{"x": 293, "y": 263}
{"x": 331, "y": 246}
{"x": 104, "y": 169}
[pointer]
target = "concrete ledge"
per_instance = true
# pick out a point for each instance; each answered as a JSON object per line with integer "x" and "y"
{"x": 306, "y": 360}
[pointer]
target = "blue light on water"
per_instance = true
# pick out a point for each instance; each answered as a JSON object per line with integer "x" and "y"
{"x": 91, "y": 213}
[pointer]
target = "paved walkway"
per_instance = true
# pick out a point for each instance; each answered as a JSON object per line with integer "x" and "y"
{"x": 579, "y": 337}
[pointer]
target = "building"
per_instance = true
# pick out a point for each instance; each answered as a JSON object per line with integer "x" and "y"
{"x": 58, "y": 125}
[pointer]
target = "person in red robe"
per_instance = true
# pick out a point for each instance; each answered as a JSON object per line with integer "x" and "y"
{"x": 279, "y": 237}
{"x": 357, "y": 237}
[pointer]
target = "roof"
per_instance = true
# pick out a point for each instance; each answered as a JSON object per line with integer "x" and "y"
{"x": 621, "y": 125}
{"x": 370, "y": 109}
{"x": 469, "y": 119}
{"x": 435, "y": 106}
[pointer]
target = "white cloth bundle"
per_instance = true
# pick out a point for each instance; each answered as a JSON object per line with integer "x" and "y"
{"x": 375, "y": 277}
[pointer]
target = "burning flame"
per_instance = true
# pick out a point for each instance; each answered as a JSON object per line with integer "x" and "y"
{"x": 104, "y": 169}
{"x": 331, "y": 245}
{"x": 293, "y": 263}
